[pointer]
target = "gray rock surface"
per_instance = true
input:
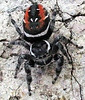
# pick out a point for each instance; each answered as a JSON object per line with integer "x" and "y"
{"x": 73, "y": 12}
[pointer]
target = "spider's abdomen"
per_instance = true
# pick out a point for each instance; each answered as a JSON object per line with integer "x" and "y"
{"x": 36, "y": 23}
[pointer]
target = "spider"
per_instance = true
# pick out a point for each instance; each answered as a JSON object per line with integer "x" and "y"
{"x": 38, "y": 27}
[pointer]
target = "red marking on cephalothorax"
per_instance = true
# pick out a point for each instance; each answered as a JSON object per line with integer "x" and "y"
{"x": 41, "y": 12}
{"x": 42, "y": 15}
{"x": 27, "y": 26}
{"x": 37, "y": 27}
{"x": 41, "y": 24}
{"x": 31, "y": 27}
{"x": 26, "y": 16}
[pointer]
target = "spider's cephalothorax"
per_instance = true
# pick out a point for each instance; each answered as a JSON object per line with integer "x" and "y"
{"x": 36, "y": 23}
{"x": 37, "y": 29}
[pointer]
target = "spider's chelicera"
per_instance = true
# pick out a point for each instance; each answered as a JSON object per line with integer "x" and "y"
{"x": 37, "y": 29}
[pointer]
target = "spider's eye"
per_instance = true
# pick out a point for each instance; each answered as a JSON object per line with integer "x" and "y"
{"x": 36, "y": 19}
{"x": 31, "y": 20}
{"x": 37, "y": 9}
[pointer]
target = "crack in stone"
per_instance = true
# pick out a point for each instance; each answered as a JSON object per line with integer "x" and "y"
{"x": 2, "y": 40}
{"x": 82, "y": 3}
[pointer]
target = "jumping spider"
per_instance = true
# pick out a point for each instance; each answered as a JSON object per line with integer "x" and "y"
{"x": 37, "y": 29}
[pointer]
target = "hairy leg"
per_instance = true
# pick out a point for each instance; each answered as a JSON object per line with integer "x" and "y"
{"x": 28, "y": 76}
{"x": 65, "y": 41}
{"x": 18, "y": 42}
{"x": 20, "y": 61}
{"x": 15, "y": 25}
{"x": 62, "y": 49}
{"x": 59, "y": 58}
{"x": 31, "y": 1}
{"x": 55, "y": 12}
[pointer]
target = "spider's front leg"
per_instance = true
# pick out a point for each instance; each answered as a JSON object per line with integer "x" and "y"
{"x": 59, "y": 58}
{"x": 27, "y": 65}
{"x": 65, "y": 41}
{"x": 57, "y": 45}
{"x": 28, "y": 76}
{"x": 20, "y": 61}
{"x": 17, "y": 42}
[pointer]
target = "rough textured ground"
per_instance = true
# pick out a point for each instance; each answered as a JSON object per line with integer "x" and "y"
{"x": 73, "y": 13}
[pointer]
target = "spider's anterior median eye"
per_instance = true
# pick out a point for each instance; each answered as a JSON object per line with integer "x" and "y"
{"x": 36, "y": 19}
{"x": 37, "y": 9}
{"x": 31, "y": 20}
